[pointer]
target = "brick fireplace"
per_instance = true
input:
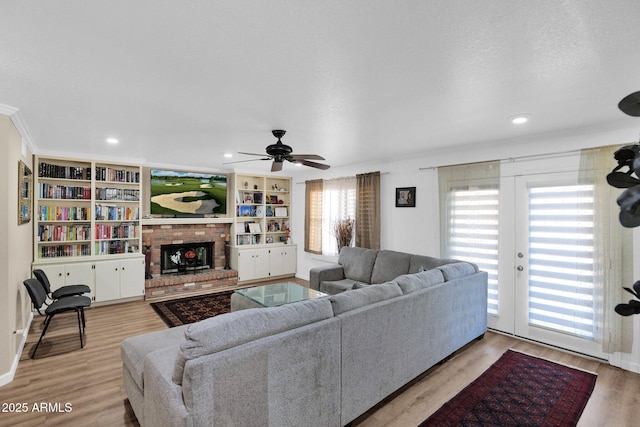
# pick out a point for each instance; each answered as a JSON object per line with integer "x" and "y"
{"x": 186, "y": 281}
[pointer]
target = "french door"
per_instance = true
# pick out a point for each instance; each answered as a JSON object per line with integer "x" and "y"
{"x": 554, "y": 290}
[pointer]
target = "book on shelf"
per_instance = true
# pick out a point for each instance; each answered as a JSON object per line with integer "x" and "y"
{"x": 105, "y": 173}
{"x": 50, "y": 170}
{"x": 64, "y": 192}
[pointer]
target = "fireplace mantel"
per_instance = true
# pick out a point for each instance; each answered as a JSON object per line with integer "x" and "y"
{"x": 185, "y": 221}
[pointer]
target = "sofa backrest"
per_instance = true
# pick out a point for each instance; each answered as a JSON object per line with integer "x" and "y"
{"x": 356, "y": 298}
{"x": 458, "y": 269}
{"x": 232, "y": 329}
{"x": 357, "y": 263}
{"x": 417, "y": 281}
{"x": 389, "y": 265}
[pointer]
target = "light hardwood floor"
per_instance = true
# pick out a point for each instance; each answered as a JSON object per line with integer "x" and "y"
{"x": 90, "y": 379}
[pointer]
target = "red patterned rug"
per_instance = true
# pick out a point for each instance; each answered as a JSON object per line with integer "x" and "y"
{"x": 182, "y": 311}
{"x": 519, "y": 390}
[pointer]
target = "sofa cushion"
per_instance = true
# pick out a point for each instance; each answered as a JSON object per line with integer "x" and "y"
{"x": 422, "y": 263}
{"x": 333, "y": 287}
{"x": 457, "y": 269}
{"x": 356, "y": 298}
{"x": 232, "y": 329}
{"x": 389, "y": 265}
{"x": 414, "y": 282}
{"x": 133, "y": 350}
{"x": 357, "y": 263}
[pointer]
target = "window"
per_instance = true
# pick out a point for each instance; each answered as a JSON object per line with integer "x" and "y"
{"x": 561, "y": 277}
{"x": 472, "y": 232}
{"x": 327, "y": 202}
{"x": 469, "y": 219}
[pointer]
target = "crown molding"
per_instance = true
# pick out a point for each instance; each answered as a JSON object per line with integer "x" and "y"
{"x": 20, "y": 124}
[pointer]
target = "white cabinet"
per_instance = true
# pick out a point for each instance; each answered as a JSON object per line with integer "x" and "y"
{"x": 119, "y": 279}
{"x": 263, "y": 263}
{"x": 59, "y": 275}
{"x": 251, "y": 264}
{"x": 109, "y": 280}
{"x": 282, "y": 260}
{"x": 131, "y": 278}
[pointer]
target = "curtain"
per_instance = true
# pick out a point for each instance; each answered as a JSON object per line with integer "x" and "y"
{"x": 338, "y": 203}
{"x": 313, "y": 216}
{"x": 613, "y": 253}
{"x": 368, "y": 210}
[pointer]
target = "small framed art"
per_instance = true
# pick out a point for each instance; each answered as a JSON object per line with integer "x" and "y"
{"x": 405, "y": 197}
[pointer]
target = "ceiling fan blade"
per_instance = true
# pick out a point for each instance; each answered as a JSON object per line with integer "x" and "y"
{"x": 251, "y": 154}
{"x": 243, "y": 161}
{"x": 307, "y": 157}
{"x": 276, "y": 166}
{"x": 313, "y": 164}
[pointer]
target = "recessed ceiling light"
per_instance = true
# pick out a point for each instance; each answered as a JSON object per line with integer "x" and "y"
{"x": 228, "y": 155}
{"x": 520, "y": 119}
{"x": 112, "y": 140}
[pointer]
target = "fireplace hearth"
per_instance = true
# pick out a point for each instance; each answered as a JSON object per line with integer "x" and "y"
{"x": 186, "y": 258}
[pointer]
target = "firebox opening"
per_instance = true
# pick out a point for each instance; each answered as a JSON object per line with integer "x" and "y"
{"x": 186, "y": 258}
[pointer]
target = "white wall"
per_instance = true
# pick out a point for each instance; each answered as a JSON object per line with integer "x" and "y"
{"x": 416, "y": 230}
{"x": 16, "y": 248}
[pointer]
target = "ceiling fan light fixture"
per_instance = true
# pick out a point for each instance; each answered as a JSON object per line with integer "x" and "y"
{"x": 520, "y": 119}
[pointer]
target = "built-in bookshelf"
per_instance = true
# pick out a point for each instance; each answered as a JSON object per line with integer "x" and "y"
{"x": 86, "y": 209}
{"x": 262, "y": 209}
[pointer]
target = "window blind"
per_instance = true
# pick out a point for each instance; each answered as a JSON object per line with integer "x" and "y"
{"x": 561, "y": 268}
{"x": 473, "y": 232}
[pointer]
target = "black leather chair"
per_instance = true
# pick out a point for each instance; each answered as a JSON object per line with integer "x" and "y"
{"x": 72, "y": 303}
{"x": 62, "y": 292}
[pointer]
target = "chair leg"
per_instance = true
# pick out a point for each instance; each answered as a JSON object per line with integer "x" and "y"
{"x": 47, "y": 320}
{"x": 80, "y": 327}
{"x": 84, "y": 324}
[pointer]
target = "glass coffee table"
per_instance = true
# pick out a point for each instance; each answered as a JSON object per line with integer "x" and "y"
{"x": 272, "y": 295}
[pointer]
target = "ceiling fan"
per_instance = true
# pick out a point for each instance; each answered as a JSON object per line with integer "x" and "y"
{"x": 280, "y": 152}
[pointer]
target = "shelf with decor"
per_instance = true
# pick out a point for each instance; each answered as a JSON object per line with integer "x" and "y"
{"x": 261, "y": 227}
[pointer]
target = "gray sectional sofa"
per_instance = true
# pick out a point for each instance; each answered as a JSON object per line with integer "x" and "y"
{"x": 321, "y": 362}
{"x": 358, "y": 267}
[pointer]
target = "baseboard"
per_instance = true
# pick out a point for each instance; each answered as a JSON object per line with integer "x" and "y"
{"x": 8, "y": 377}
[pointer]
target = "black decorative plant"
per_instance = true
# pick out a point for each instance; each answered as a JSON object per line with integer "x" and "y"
{"x": 629, "y": 201}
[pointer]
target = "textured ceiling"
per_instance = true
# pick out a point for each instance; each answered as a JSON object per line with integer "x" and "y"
{"x": 182, "y": 82}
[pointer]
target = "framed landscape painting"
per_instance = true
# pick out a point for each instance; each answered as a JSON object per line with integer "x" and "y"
{"x": 187, "y": 193}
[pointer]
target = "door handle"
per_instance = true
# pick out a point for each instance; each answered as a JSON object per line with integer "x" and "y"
{"x": 519, "y": 268}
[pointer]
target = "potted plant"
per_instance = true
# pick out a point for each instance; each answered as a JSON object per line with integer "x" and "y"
{"x": 344, "y": 232}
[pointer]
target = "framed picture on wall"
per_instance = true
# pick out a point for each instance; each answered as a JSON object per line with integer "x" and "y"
{"x": 405, "y": 197}
{"x": 25, "y": 192}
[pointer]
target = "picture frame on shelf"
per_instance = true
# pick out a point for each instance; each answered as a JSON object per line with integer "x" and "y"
{"x": 274, "y": 199}
{"x": 405, "y": 197}
{"x": 268, "y": 239}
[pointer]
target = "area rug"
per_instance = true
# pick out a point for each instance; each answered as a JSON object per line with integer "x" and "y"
{"x": 182, "y": 311}
{"x": 519, "y": 390}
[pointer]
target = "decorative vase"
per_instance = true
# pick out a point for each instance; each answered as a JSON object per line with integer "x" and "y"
{"x": 227, "y": 255}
